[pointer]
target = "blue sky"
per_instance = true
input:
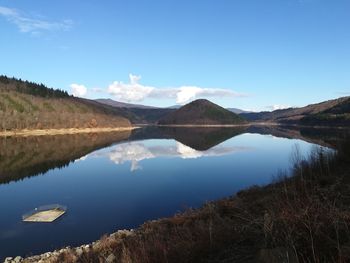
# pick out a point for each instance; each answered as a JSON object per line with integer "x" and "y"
{"x": 249, "y": 54}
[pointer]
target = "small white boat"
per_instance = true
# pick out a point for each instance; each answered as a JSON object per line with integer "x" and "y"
{"x": 45, "y": 214}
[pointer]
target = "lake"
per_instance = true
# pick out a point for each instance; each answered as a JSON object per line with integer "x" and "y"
{"x": 115, "y": 181}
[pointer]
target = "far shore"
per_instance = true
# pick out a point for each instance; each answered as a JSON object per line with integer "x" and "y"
{"x": 63, "y": 131}
{"x": 246, "y": 125}
{"x": 217, "y": 125}
{"x": 41, "y": 132}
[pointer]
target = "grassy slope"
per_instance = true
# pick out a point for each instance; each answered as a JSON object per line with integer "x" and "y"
{"x": 25, "y": 105}
{"x": 201, "y": 112}
{"x": 337, "y": 115}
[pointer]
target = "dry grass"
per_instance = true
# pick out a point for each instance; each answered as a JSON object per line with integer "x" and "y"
{"x": 42, "y": 132}
{"x": 310, "y": 212}
{"x": 20, "y": 111}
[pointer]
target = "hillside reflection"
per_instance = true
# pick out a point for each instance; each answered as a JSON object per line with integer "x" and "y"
{"x": 197, "y": 138}
{"x": 22, "y": 157}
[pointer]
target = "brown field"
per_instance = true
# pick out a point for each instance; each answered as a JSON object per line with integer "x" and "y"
{"x": 26, "y": 132}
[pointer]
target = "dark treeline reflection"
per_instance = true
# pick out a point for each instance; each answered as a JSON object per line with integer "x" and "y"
{"x": 22, "y": 157}
{"x": 328, "y": 137}
{"x": 199, "y": 139}
{"x": 204, "y": 138}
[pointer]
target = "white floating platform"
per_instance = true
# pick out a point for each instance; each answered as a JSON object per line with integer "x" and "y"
{"x": 45, "y": 214}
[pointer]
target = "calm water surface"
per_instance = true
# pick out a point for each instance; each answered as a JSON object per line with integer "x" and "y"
{"x": 116, "y": 181}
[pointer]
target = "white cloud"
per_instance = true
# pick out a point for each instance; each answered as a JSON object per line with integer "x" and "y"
{"x": 187, "y": 93}
{"x": 32, "y": 25}
{"x": 78, "y": 90}
{"x": 277, "y": 107}
{"x": 130, "y": 92}
{"x": 135, "y": 92}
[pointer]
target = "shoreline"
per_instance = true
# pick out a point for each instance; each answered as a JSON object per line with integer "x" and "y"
{"x": 244, "y": 125}
{"x": 203, "y": 125}
{"x": 68, "y": 131}
{"x": 64, "y": 131}
{"x": 211, "y": 125}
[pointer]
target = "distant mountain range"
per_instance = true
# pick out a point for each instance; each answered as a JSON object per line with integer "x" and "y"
{"x": 329, "y": 113}
{"x": 27, "y": 105}
{"x": 119, "y": 104}
{"x": 139, "y": 113}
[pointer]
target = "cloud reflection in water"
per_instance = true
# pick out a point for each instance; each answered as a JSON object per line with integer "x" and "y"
{"x": 137, "y": 151}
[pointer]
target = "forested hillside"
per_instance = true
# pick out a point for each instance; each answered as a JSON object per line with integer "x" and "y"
{"x": 27, "y": 105}
{"x": 201, "y": 112}
{"x": 337, "y": 115}
{"x": 327, "y": 113}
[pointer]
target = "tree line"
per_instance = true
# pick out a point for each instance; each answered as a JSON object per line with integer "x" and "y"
{"x": 14, "y": 84}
